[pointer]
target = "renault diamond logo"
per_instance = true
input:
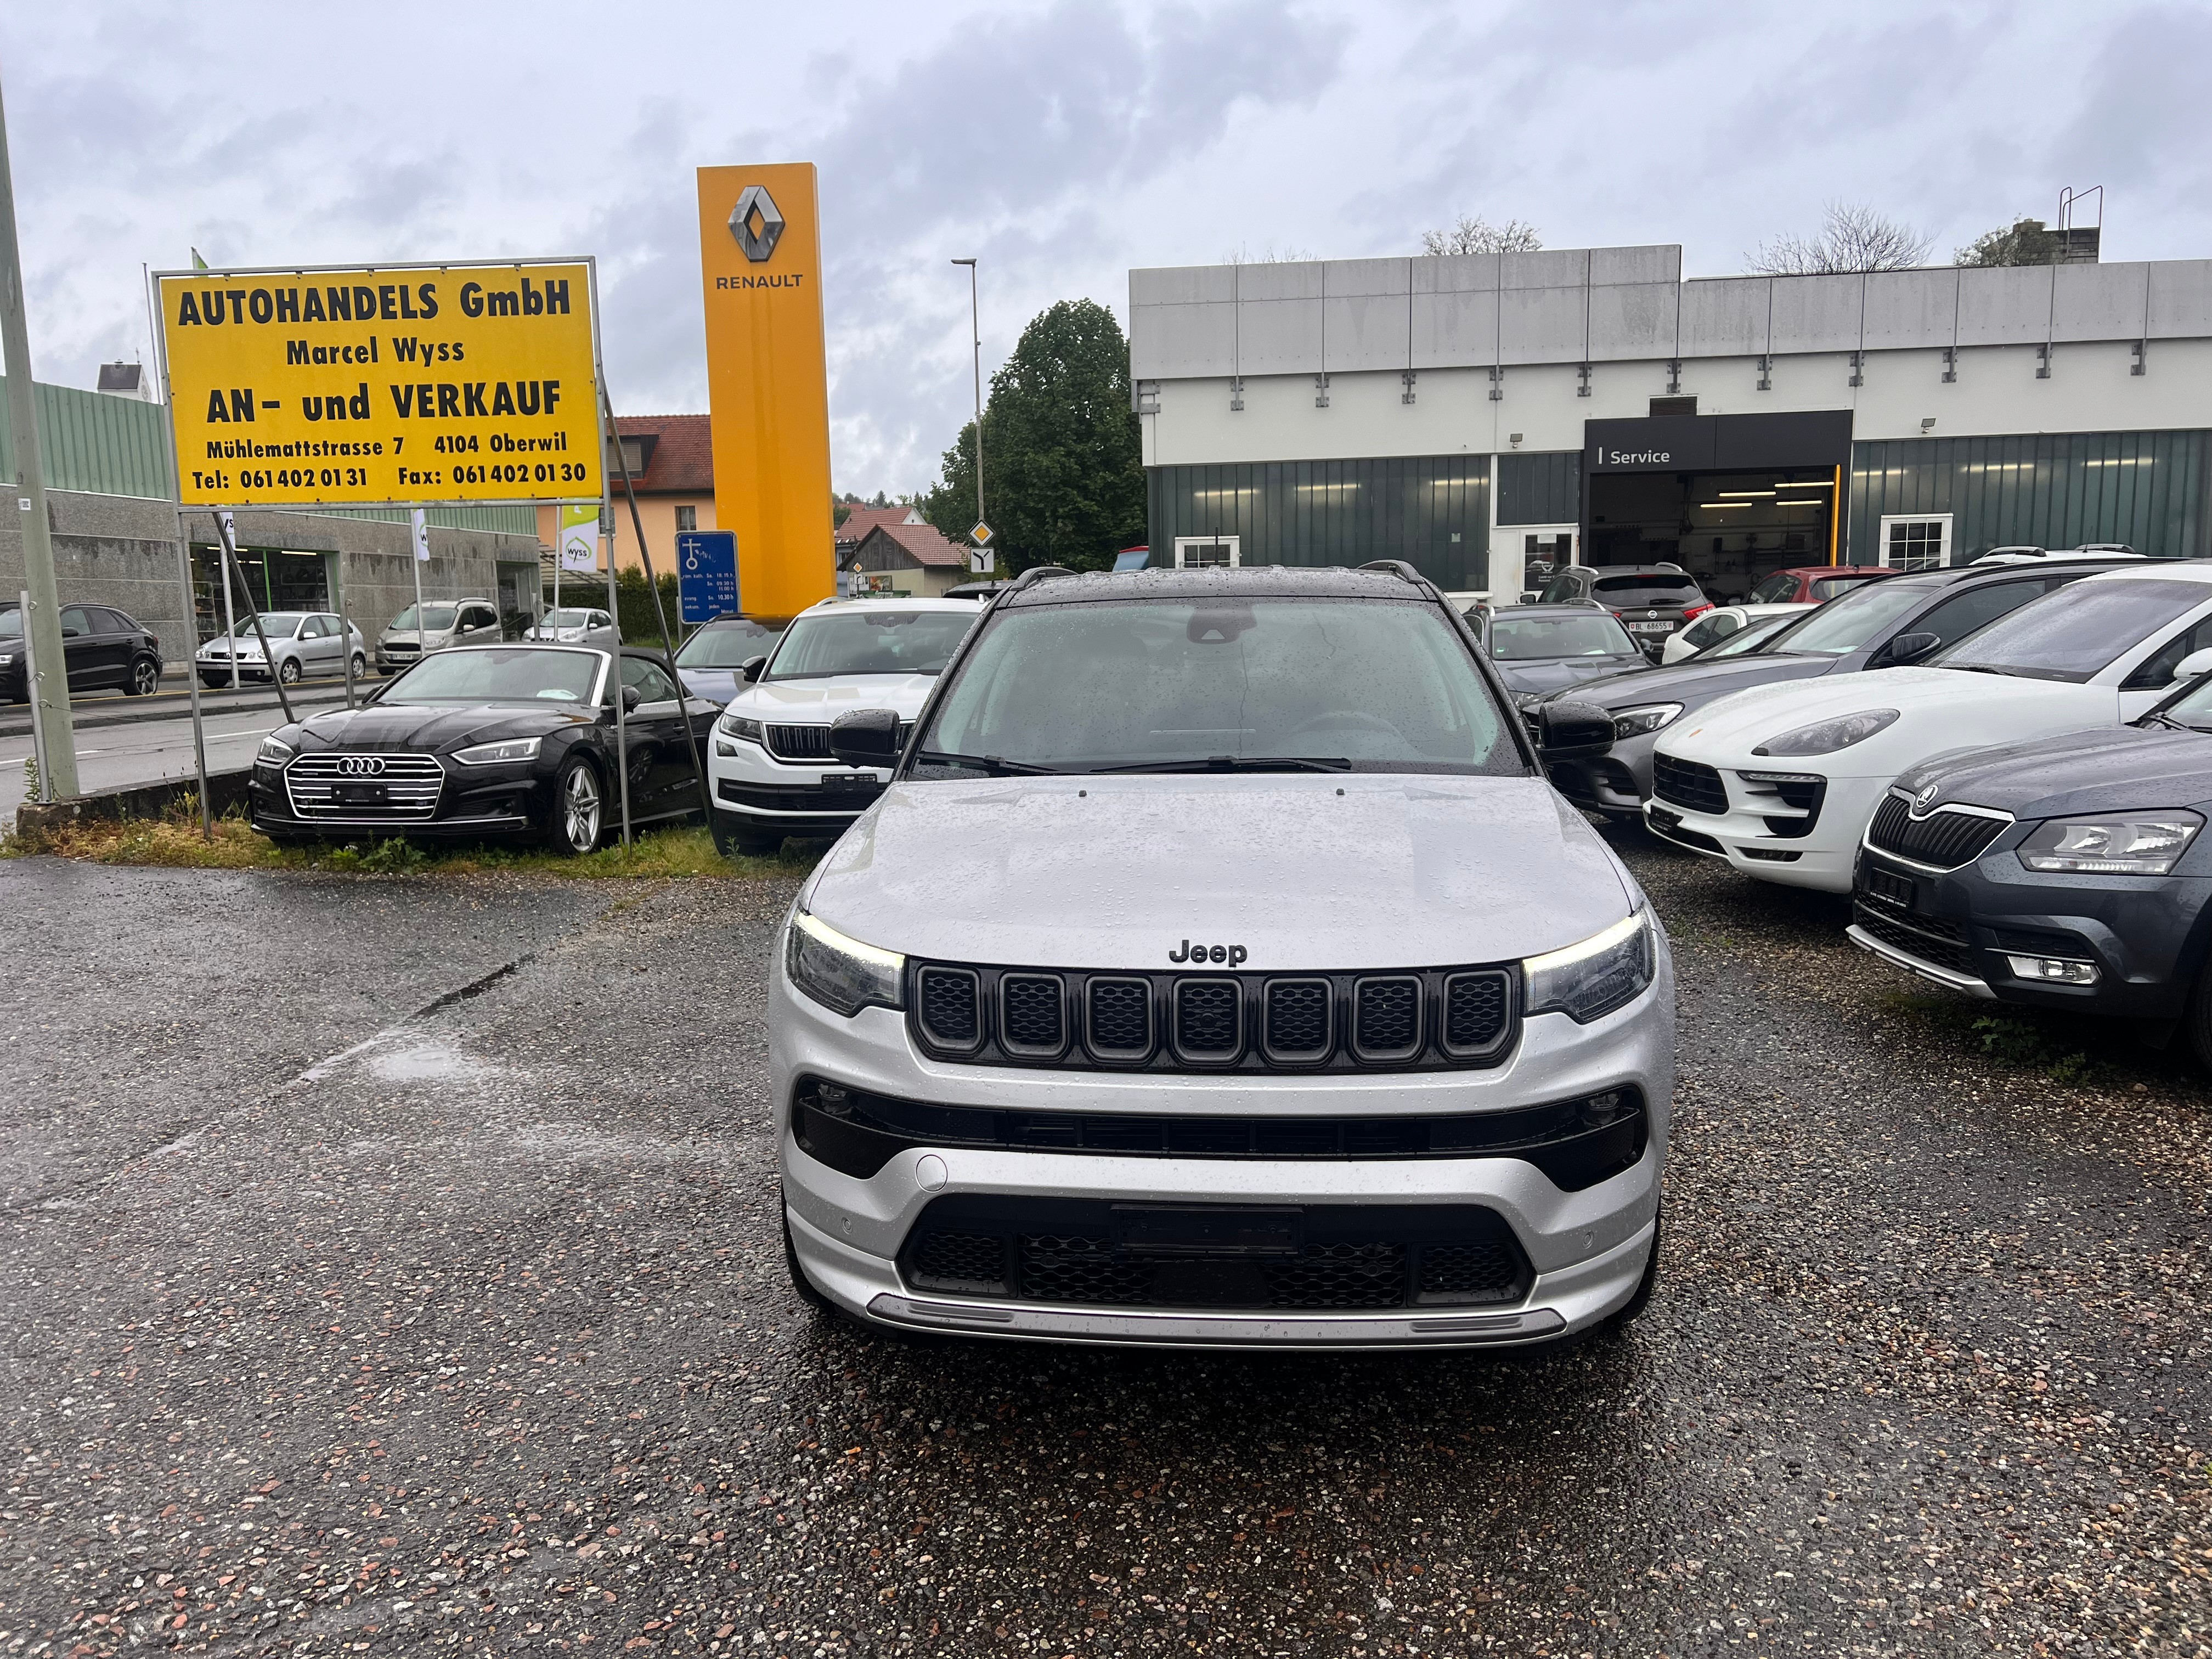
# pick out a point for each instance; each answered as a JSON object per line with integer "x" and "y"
{"x": 360, "y": 766}
{"x": 757, "y": 207}
{"x": 1926, "y": 798}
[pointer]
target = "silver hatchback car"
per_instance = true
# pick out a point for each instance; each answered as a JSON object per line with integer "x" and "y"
{"x": 302, "y": 644}
{"x": 442, "y": 622}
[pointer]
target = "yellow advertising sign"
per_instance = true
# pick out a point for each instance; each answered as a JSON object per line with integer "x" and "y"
{"x": 767, "y": 381}
{"x": 393, "y": 386}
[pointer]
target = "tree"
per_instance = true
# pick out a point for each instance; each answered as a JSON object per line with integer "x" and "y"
{"x": 1475, "y": 234}
{"x": 1269, "y": 255}
{"x": 1063, "y": 468}
{"x": 1852, "y": 237}
{"x": 2023, "y": 242}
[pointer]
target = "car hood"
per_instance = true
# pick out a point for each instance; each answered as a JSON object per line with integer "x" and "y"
{"x": 1698, "y": 683}
{"x": 1342, "y": 871}
{"x": 817, "y": 702}
{"x": 425, "y": 730}
{"x": 716, "y": 684}
{"x": 1933, "y": 704}
{"x": 2106, "y": 769}
{"x": 1527, "y": 677}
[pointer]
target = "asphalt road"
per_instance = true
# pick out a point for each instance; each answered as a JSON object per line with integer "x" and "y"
{"x": 141, "y": 751}
{"x": 439, "y": 1309}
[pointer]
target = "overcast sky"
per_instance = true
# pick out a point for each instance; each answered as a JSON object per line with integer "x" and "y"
{"x": 1060, "y": 144}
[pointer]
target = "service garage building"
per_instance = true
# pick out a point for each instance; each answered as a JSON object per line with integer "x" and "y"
{"x": 1481, "y": 414}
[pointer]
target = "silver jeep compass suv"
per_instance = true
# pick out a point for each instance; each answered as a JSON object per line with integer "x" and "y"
{"x": 1220, "y": 968}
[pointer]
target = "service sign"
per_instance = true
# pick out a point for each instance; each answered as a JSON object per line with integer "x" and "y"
{"x": 437, "y": 384}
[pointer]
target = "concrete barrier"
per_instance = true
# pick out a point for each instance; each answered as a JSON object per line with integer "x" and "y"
{"x": 135, "y": 800}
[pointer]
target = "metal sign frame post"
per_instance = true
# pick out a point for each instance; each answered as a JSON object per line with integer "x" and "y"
{"x": 229, "y": 615}
{"x": 621, "y": 713}
{"x": 184, "y": 574}
{"x": 345, "y": 627}
{"x": 31, "y": 686}
{"x": 418, "y": 554}
{"x": 253, "y": 614}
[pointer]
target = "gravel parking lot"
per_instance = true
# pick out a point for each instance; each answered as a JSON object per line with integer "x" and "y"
{"x": 437, "y": 1305}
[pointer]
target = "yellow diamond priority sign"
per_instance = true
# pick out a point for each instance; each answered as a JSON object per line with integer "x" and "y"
{"x": 981, "y": 534}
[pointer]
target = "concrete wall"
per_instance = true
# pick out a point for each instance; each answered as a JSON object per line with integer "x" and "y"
{"x": 122, "y": 551}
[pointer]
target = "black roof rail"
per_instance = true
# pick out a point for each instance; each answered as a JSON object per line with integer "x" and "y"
{"x": 1037, "y": 573}
{"x": 1397, "y": 568}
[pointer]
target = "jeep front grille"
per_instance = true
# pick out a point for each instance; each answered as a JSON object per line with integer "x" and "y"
{"x": 1410, "y": 1019}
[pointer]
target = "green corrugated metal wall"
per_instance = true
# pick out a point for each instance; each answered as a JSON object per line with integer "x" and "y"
{"x": 106, "y": 445}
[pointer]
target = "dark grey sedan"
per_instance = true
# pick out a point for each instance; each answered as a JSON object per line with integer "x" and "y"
{"x": 1540, "y": 648}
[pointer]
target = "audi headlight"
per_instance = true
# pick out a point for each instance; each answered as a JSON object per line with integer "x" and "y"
{"x": 1637, "y": 722}
{"x": 739, "y": 726}
{"x": 1826, "y": 736}
{"x": 1587, "y": 980}
{"x": 841, "y": 973}
{"x": 2121, "y": 844}
{"x": 274, "y": 751}
{"x": 498, "y": 754}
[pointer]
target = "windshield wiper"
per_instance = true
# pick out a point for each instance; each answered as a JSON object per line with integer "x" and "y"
{"x": 2154, "y": 717}
{"x": 1239, "y": 764}
{"x": 990, "y": 763}
{"x": 1971, "y": 668}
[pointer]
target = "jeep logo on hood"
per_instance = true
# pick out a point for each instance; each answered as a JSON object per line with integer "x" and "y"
{"x": 1231, "y": 954}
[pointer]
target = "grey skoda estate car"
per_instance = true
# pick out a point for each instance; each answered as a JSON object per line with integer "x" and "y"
{"x": 1280, "y": 1001}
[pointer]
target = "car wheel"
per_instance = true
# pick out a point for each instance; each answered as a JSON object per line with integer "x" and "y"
{"x": 145, "y": 678}
{"x": 288, "y": 671}
{"x": 360, "y": 665}
{"x": 731, "y": 840}
{"x": 2198, "y": 1020}
{"x": 578, "y": 808}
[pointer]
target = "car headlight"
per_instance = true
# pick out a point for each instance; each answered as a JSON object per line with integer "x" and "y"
{"x": 739, "y": 726}
{"x": 7, "y": 659}
{"x": 274, "y": 751}
{"x": 498, "y": 754}
{"x": 1826, "y": 736}
{"x": 1637, "y": 722}
{"x": 1587, "y": 980}
{"x": 2121, "y": 844}
{"x": 841, "y": 973}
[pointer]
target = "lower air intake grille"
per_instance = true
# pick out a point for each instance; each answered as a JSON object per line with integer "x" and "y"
{"x": 1467, "y": 1273}
{"x": 961, "y": 1261}
{"x": 1691, "y": 784}
{"x": 1941, "y": 943}
{"x": 950, "y": 1010}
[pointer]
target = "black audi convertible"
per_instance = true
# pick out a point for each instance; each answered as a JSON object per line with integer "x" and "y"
{"x": 489, "y": 742}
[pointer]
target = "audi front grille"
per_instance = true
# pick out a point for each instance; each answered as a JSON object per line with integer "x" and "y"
{"x": 382, "y": 788}
{"x": 1411, "y": 1019}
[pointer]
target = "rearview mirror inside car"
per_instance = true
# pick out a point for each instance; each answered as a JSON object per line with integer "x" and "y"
{"x": 2196, "y": 663}
{"x": 1572, "y": 731}
{"x": 1911, "y": 647}
{"x": 748, "y": 671}
{"x": 867, "y": 737}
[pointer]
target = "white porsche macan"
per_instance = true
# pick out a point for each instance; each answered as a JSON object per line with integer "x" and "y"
{"x": 1781, "y": 780}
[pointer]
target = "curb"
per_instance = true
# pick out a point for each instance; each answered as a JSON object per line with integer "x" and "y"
{"x": 131, "y": 801}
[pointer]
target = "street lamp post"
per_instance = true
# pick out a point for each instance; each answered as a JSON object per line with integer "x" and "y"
{"x": 975, "y": 330}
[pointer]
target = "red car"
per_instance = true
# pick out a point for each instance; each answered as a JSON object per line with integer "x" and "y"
{"x": 1811, "y": 584}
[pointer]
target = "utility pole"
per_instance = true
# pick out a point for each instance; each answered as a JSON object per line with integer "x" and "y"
{"x": 975, "y": 331}
{"x": 43, "y": 627}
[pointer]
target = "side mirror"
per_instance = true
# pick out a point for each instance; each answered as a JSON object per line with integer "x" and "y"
{"x": 1911, "y": 647}
{"x": 867, "y": 737}
{"x": 2196, "y": 663}
{"x": 750, "y": 670}
{"x": 1572, "y": 731}
{"x": 1531, "y": 598}
{"x": 631, "y": 697}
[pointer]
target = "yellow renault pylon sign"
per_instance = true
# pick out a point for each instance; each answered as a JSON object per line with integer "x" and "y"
{"x": 767, "y": 381}
{"x": 393, "y": 386}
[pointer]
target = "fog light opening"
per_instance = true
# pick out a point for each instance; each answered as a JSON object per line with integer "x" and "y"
{"x": 2054, "y": 970}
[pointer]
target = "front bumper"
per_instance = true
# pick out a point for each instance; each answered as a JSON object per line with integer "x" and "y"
{"x": 218, "y": 671}
{"x": 1821, "y": 859}
{"x": 1615, "y": 784}
{"x": 2145, "y": 935}
{"x": 492, "y": 803}
{"x": 793, "y": 797}
{"x": 1586, "y": 1249}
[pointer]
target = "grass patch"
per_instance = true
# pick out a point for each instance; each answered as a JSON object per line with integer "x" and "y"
{"x": 172, "y": 841}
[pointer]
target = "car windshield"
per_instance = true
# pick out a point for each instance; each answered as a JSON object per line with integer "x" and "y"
{"x": 277, "y": 624}
{"x": 869, "y": 642}
{"x": 1846, "y": 624}
{"x": 1378, "y": 685}
{"x": 519, "y": 674}
{"x": 1647, "y": 588}
{"x": 564, "y": 619}
{"x": 732, "y": 645}
{"x": 1525, "y": 639}
{"x": 1751, "y": 637}
{"x": 2076, "y": 632}
{"x": 11, "y": 623}
{"x": 435, "y": 617}
{"x": 1829, "y": 587}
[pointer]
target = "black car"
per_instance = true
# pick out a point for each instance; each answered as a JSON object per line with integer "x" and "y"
{"x": 487, "y": 742}
{"x": 1651, "y": 601}
{"x": 1883, "y": 625}
{"x": 105, "y": 649}
{"x": 2068, "y": 872}
{"x": 1545, "y": 647}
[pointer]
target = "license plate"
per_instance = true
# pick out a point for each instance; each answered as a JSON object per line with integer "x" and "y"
{"x": 844, "y": 783}
{"x": 1651, "y": 628}
{"x": 1146, "y": 1230}
{"x": 1889, "y": 887}
{"x": 358, "y": 794}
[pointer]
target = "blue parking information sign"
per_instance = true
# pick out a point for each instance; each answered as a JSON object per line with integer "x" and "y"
{"x": 707, "y": 574}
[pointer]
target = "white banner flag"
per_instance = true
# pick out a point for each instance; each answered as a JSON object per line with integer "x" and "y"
{"x": 421, "y": 523}
{"x": 579, "y": 537}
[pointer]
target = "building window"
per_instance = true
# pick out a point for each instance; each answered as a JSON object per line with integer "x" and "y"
{"x": 687, "y": 520}
{"x": 1673, "y": 406}
{"x": 1917, "y": 543}
{"x": 1207, "y": 552}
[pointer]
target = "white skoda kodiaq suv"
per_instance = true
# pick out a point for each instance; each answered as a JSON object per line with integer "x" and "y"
{"x": 1220, "y": 968}
{"x": 771, "y": 773}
